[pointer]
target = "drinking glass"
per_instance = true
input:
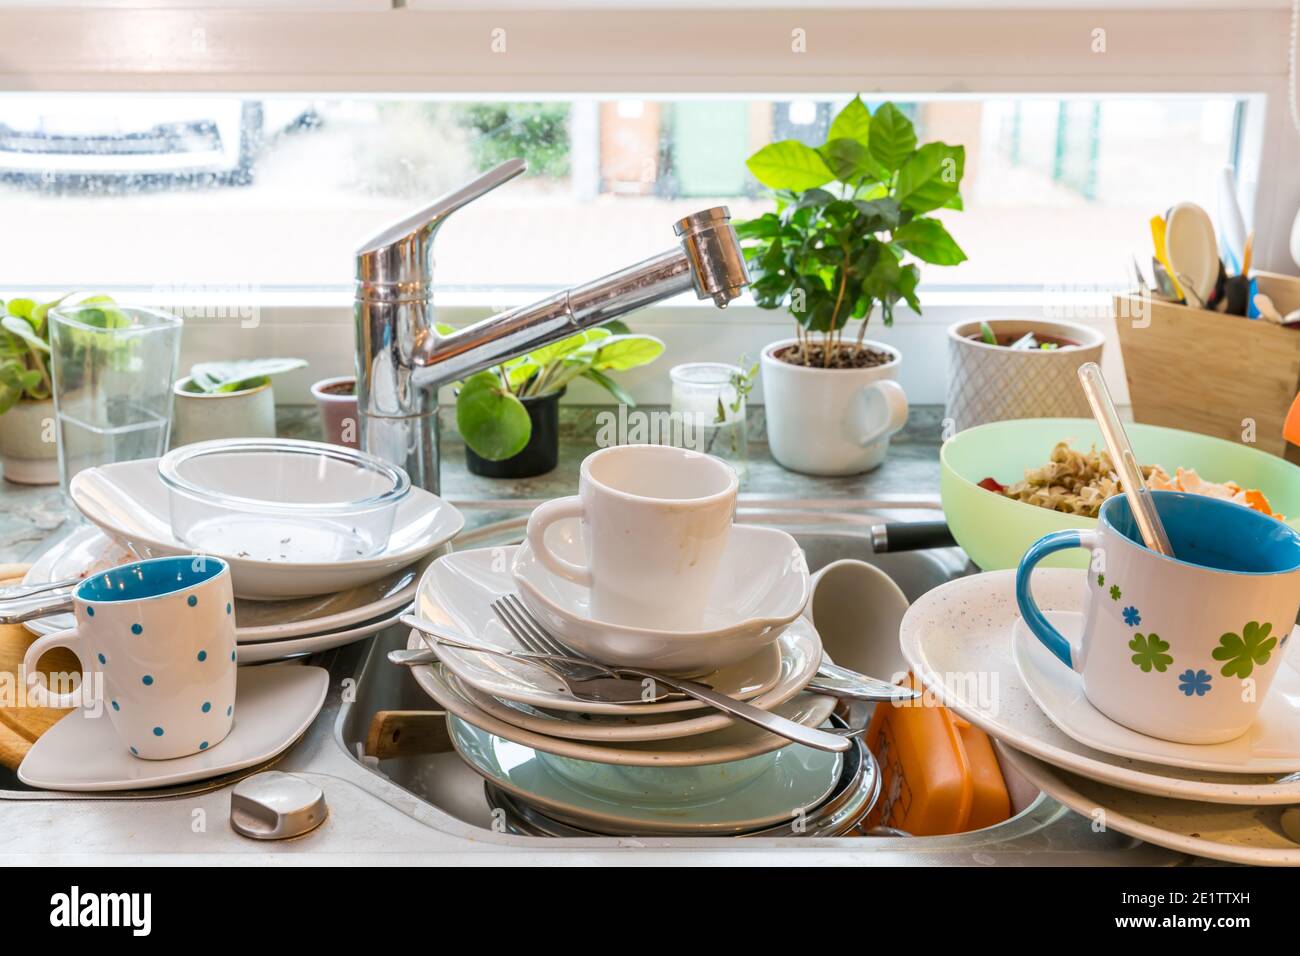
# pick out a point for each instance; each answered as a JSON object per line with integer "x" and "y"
{"x": 711, "y": 411}
{"x": 114, "y": 367}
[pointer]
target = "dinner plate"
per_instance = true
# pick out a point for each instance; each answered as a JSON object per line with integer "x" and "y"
{"x": 794, "y": 781}
{"x": 128, "y": 500}
{"x": 761, "y": 586}
{"x": 957, "y": 639}
{"x": 273, "y": 707}
{"x": 458, "y": 589}
{"x": 1234, "y": 834}
{"x": 1271, "y": 745}
{"x": 736, "y": 742}
{"x": 264, "y": 651}
{"x": 89, "y": 549}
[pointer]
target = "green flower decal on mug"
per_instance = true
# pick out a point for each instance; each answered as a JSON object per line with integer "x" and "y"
{"x": 1115, "y": 592}
{"x": 1101, "y": 580}
{"x": 1243, "y": 652}
{"x": 1149, "y": 651}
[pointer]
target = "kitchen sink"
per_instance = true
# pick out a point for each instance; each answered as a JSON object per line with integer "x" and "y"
{"x": 1040, "y": 830}
{"x": 432, "y": 808}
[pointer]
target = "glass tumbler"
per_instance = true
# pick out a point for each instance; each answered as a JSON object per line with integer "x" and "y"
{"x": 710, "y": 411}
{"x": 114, "y": 367}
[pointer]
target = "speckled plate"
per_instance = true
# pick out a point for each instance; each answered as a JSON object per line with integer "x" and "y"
{"x": 957, "y": 639}
{"x": 1234, "y": 834}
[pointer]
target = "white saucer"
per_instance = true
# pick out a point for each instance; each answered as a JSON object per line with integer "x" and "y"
{"x": 273, "y": 706}
{"x": 1272, "y": 745}
{"x": 1234, "y": 834}
{"x": 88, "y": 548}
{"x": 737, "y": 742}
{"x": 614, "y": 799}
{"x": 761, "y": 586}
{"x": 128, "y": 500}
{"x": 957, "y": 639}
{"x": 458, "y": 589}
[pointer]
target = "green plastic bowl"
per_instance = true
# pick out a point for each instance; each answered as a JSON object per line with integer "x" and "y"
{"x": 995, "y": 531}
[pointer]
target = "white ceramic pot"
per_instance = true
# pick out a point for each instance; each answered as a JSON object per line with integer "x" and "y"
{"x": 988, "y": 383}
{"x": 831, "y": 421}
{"x": 201, "y": 417}
{"x": 338, "y": 412}
{"x": 29, "y": 449}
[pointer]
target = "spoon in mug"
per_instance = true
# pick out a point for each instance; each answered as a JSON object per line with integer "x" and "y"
{"x": 1144, "y": 511}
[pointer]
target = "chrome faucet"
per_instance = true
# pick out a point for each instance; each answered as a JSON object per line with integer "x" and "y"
{"x": 402, "y": 360}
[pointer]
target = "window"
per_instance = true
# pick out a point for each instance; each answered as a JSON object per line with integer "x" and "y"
{"x": 275, "y": 192}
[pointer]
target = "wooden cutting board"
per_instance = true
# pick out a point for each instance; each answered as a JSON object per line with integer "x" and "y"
{"x": 21, "y": 726}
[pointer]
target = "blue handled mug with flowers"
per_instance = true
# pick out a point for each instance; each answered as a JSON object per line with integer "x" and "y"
{"x": 1180, "y": 648}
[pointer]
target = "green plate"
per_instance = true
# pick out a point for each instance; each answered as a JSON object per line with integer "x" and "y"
{"x": 795, "y": 778}
{"x": 995, "y": 531}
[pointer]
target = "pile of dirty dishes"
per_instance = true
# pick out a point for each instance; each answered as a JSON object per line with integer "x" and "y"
{"x": 1162, "y": 692}
{"x": 643, "y": 569}
{"x": 325, "y": 544}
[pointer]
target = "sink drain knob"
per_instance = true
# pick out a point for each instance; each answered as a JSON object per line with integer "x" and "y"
{"x": 275, "y": 806}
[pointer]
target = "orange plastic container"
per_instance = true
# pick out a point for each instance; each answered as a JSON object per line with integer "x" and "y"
{"x": 940, "y": 774}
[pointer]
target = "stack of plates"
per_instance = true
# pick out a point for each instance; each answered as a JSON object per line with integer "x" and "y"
{"x": 1224, "y": 801}
{"x": 283, "y": 608}
{"x": 644, "y": 769}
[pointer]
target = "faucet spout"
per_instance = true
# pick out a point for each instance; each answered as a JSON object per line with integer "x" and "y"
{"x": 402, "y": 360}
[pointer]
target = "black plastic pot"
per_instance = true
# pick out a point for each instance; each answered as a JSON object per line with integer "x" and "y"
{"x": 541, "y": 453}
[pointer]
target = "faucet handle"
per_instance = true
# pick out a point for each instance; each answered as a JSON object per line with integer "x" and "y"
{"x": 400, "y": 253}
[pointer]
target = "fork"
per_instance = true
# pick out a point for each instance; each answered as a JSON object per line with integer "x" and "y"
{"x": 584, "y": 680}
{"x": 528, "y": 631}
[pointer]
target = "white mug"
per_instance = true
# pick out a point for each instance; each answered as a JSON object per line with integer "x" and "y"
{"x": 831, "y": 421}
{"x": 159, "y": 637}
{"x": 656, "y": 521}
{"x": 1180, "y": 648}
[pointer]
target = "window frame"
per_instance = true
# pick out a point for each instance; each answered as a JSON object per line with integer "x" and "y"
{"x": 633, "y": 49}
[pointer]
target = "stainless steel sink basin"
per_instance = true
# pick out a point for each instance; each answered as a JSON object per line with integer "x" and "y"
{"x": 1041, "y": 832}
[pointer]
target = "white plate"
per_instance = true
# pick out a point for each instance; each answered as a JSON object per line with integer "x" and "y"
{"x": 957, "y": 639}
{"x": 88, "y": 548}
{"x": 794, "y": 778}
{"x": 273, "y": 706}
{"x": 458, "y": 590}
{"x": 1272, "y": 744}
{"x": 294, "y": 647}
{"x": 737, "y": 742}
{"x": 1240, "y": 834}
{"x": 129, "y": 501}
{"x": 761, "y": 586}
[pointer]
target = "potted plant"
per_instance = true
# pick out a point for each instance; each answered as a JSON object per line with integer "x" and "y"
{"x": 228, "y": 400}
{"x": 28, "y": 436}
{"x": 509, "y": 415}
{"x": 1017, "y": 368}
{"x": 336, "y": 399}
{"x": 851, "y": 215}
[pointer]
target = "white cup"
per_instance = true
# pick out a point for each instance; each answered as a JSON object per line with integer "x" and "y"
{"x": 162, "y": 635}
{"x": 656, "y": 521}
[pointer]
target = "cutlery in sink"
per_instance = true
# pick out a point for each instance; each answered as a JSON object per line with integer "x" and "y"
{"x": 529, "y": 632}
{"x": 584, "y": 679}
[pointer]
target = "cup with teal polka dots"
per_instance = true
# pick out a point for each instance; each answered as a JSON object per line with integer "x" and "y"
{"x": 162, "y": 635}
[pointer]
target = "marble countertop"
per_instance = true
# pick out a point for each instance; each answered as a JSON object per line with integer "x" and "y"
{"x": 30, "y": 516}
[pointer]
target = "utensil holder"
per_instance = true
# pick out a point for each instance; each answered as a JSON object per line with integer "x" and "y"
{"x": 1207, "y": 372}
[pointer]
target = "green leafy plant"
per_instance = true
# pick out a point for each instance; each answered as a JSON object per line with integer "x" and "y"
{"x": 742, "y": 381}
{"x": 215, "y": 378}
{"x": 489, "y": 412}
{"x": 849, "y": 215}
{"x": 1149, "y": 651}
{"x": 25, "y": 343}
{"x": 1242, "y": 652}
